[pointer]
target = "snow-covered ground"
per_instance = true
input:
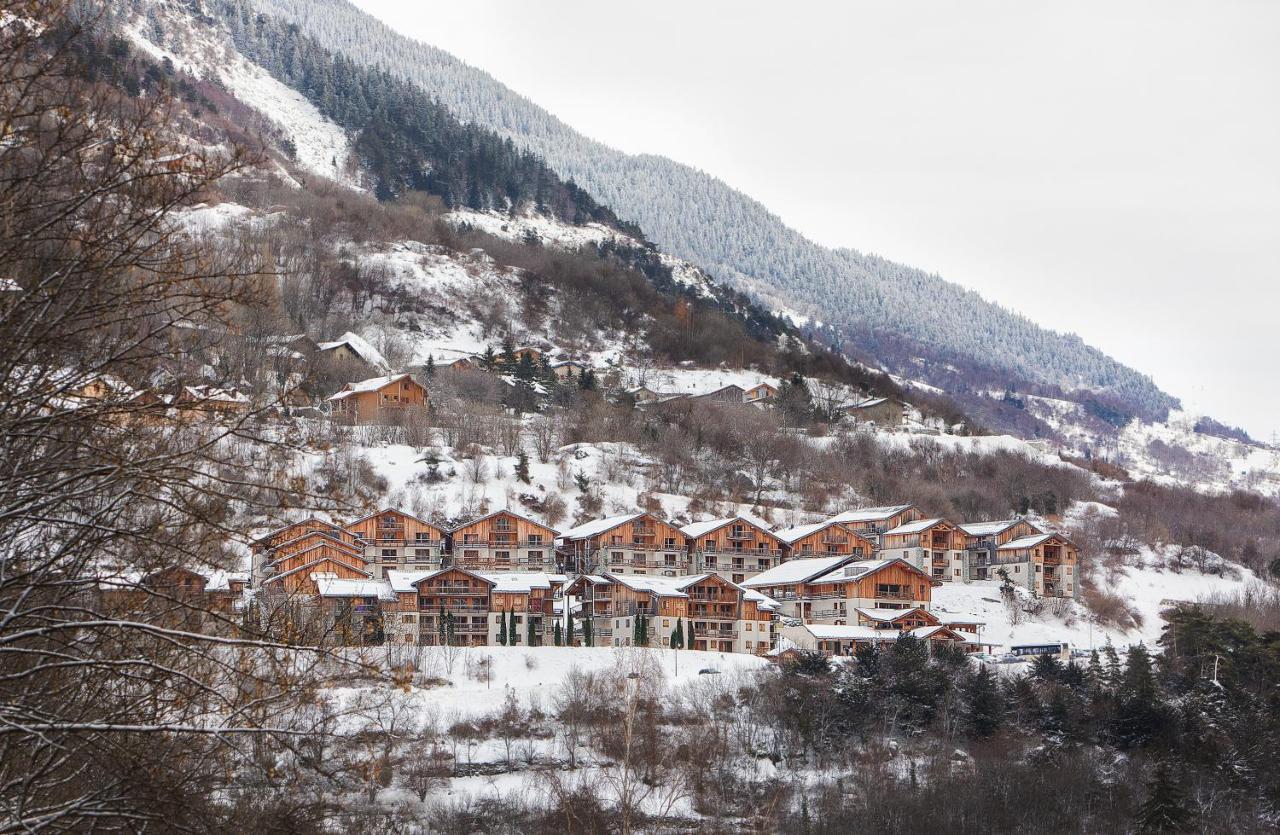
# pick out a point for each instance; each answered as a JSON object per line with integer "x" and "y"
{"x": 321, "y": 146}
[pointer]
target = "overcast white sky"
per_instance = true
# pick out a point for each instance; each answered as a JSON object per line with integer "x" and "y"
{"x": 1107, "y": 168}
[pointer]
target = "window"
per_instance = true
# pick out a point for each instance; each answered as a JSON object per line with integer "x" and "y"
{"x": 502, "y": 556}
{"x": 422, "y": 536}
{"x": 957, "y": 572}
{"x": 709, "y": 544}
{"x": 535, "y": 539}
{"x": 388, "y": 553}
{"x": 671, "y": 542}
{"x": 748, "y": 626}
{"x": 471, "y": 555}
{"x": 408, "y": 619}
{"x": 615, "y": 557}
{"x": 535, "y": 556}
{"x": 422, "y": 552}
{"x": 666, "y": 623}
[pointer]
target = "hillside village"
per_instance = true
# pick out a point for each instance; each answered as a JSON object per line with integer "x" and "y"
{"x": 365, "y": 474}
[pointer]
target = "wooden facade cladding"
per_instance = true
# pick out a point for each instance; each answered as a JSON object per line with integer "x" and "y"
{"x": 398, "y": 396}
{"x": 646, "y": 532}
{"x": 307, "y": 526}
{"x": 738, "y": 537}
{"x": 503, "y": 540}
{"x": 321, "y": 550}
{"x": 879, "y": 524}
{"x": 940, "y": 536}
{"x": 398, "y": 528}
{"x": 832, "y": 539}
{"x": 312, "y": 540}
{"x": 1017, "y": 530}
{"x": 300, "y": 580}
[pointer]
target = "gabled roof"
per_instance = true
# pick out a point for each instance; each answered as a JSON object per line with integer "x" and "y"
{"x": 661, "y": 586}
{"x": 325, "y": 523}
{"x": 989, "y": 528}
{"x": 870, "y": 514}
{"x": 847, "y": 632}
{"x": 339, "y": 587}
{"x": 892, "y": 615}
{"x": 697, "y": 529}
{"x": 353, "y": 553}
{"x": 859, "y": 569}
{"x": 917, "y": 526}
{"x": 793, "y": 535}
{"x": 372, "y": 384}
{"x": 796, "y": 571}
{"x": 360, "y": 347}
{"x": 522, "y": 582}
{"x": 384, "y": 511}
{"x": 407, "y": 581}
{"x": 598, "y": 526}
{"x": 274, "y": 577}
{"x": 502, "y": 512}
{"x": 866, "y": 404}
{"x": 762, "y": 601}
{"x": 1030, "y": 541}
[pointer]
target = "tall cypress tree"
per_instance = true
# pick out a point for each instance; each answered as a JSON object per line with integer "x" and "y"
{"x": 569, "y": 637}
{"x": 677, "y": 637}
{"x": 502, "y": 628}
{"x": 557, "y": 634}
{"x": 587, "y": 638}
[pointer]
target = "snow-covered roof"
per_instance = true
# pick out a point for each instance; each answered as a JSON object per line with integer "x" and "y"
{"x": 522, "y": 582}
{"x": 870, "y": 514}
{"x": 1026, "y": 542}
{"x": 221, "y": 580}
{"x": 845, "y": 632}
{"x": 887, "y": 615}
{"x": 337, "y": 587}
{"x": 854, "y": 570}
{"x": 662, "y": 586}
{"x": 914, "y": 527}
{"x": 929, "y": 631}
{"x": 988, "y": 528}
{"x": 372, "y": 384}
{"x": 795, "y": 571}
{"x": 403, "y": 581}
{"x": 598, "y": 526}
{"x": 790, "y": 535}
{"x": 697, "y": 529}
{"x": 866, "y": 404}
{"x": 360, "y": 347}
{"x": 762, "y": 601}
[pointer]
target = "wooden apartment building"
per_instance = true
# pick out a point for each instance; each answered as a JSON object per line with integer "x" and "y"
{"x": 394, "y": 539}
{"x": 824, "y": 539}
{"x": 636, "y": 543}
{"x": 503, "y": 541}
{"x": 828, "y": 589}
{"x": 736, "y": 547}
{"x": 935, "y": 546}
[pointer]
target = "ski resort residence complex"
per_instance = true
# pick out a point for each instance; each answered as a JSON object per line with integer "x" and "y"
{"x": 733, "y": 584}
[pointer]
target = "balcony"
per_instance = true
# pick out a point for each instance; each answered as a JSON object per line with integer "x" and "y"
{"x": 835, "y": 539}
{"x": 454, "y": 610}
{"x": 716, "y": 634}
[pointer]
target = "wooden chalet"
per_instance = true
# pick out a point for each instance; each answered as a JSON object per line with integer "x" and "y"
{"x": 981, "y": 539}
{"x": 832, "y": 539}
{"x": 391, "y": 399}
{"x": 567, "y": 370}
{"x": 354, "y": 611}
{"x": 736, "y": 547}
{"x": 881, "y": 411}
{"x": 526, "y": 599}
{"x": 635, "y": 543}
{"x": 708, "y": 611}
{"x": 873, "y": 521}
{"x": 395, "y": 539}
{"x": 760, "y": 393}
{"x": 935, "y": 546}
{"x": 445, "y": 605}
{"x": 503, "y": 541}
{"x": 827, "y": 589}
{"x": 1045, "y": 563}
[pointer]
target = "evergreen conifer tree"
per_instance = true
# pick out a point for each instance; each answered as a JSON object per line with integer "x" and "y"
{"x": 677, "y": 637}
{"x": 513, "y": 634}
{"x": 557, "y": 634}
{"x": 502, "y": 628}
{"x": 1166, "y": 808}
{"x": 984, "y": 709}
{"x": 587, "y": 638}
{"x": 508, "y": 355}
{"x": 429, "y": 370}
{"x": 570, "y": 636}
{"x": 530, "y": 630}
{"x": 522, "y": 467}
{"x": 487, "y": 360}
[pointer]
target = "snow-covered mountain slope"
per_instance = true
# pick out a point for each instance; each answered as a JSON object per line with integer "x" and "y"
{"x": 872, "y": 305}
{"x": 318, "y": 145}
